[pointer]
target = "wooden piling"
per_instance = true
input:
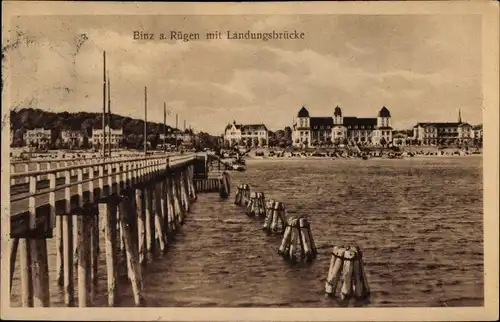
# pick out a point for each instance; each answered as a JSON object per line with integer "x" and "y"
{"x": 40, "y": 272}
{"x": 25, "y": 268}
{"x": 95, "y": 247}
{"x": 177, "y": 205}
{"x": 140, "y": 202}
{"x": 132, "y": 258}
{"x": 172, "y": 218}
{"x": 285, "y": 243}
{"x": 191, "y": 181}
{"x": 59, "y": 251}
{"x": 293, "y": 242}
{"x": 336, "y": 265}
{"x": 83, "y": 300}
{"x": 159, "y": 217}
{"x": 346, "y": 291}
{"x": 109, "y": 226}
{"x": 68, "y": 261}
{"x": 14, "y": 245}
{"x": 184, "y": 191}
{"x": 164, "y": 201}
{"x": 149, "y": 220}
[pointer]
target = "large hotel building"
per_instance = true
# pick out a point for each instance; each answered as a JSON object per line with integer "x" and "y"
{"x": 437, "y": 133}
{"x": 309, "y": 131}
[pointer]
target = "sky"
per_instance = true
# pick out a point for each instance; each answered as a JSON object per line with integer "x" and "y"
{"x": 421, "y": 67}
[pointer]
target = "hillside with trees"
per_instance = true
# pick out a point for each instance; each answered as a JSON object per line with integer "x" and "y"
{"x": 29, "y": 118}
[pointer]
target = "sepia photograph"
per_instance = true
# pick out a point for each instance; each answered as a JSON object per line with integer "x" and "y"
{"x": 248, "y": 158}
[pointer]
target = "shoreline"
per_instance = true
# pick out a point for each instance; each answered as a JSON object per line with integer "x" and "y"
{"x": 357, "y": 158}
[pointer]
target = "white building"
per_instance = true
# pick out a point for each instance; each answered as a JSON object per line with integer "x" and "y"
{"x": 98, "y": 137}
{"x": 246, "y": 134}
{"x": 478, "y": 132}
{"x": 38, "y": 136}
{"x": 439, "y": 133}
{"x": 74, "y": 137}
{"x": 311, "y": 131}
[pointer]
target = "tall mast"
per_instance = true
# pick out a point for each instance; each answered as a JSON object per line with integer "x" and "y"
{"x": 145, "y": 120}
{"x": 104, "y": 107}
{"x": 164, "y": 127}
{"x": 109, "y": 116}
{"x": 176, "y": 130}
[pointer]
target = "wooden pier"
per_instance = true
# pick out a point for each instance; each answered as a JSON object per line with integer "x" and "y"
{"x": 137, "y": 204}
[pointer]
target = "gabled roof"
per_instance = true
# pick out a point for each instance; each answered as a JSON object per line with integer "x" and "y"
{"x": 303, "y": 112}
{"x": 320, "y": 121}
{"x": 384, "y": 112}
{"x": 352, "y": 120}
{"x": 438, "y": 124}
{"x": 237, "y": 126}
{"x": 253, "y": 127}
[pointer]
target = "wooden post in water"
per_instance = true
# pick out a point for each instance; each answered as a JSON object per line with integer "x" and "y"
{"x": 25, "y": 267}
{"x": 69, "y": 245}
{"x": 59, "y": 251}
{"x": 82, "y": 274}
{"x": 140, "y": 202}
{"x": 109, "y": 225}
{"x": 348, "y": 264}
{"x": 131, "y": 251}
{"x": 164, "y": 200}
{"x": 14, "y": 244}
{"x": 159, "y": 217}
{"x": 177, "y": 201}
{"x": 83, "y": 244}
{"x": 94, "y": 230}
{"x": 149, "y": 219}
{"x": 172, "y": 221}
{"x": 40, "y": 272}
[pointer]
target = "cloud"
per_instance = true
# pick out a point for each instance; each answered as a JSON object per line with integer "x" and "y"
{"x": 415, "y": 65}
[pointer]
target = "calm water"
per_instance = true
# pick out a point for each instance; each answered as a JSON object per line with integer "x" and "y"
{"x": 419, "y": 222}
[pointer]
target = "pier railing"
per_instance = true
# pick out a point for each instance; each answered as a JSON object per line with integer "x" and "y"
{"x": 39, "y": 164}
{"x": 141, "y": 202}
{"x": 31, "y": 209}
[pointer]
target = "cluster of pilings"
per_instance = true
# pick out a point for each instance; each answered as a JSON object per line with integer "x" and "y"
{"x": 296, "y": 231}
{"x": 298, "y": 239}
{"x": 347, "y": 266}
{"x": 256, "y": 206}
{"x": 275, "y": 217}
{"x": 139, "y": 216}
{"x": 242, "y": 196}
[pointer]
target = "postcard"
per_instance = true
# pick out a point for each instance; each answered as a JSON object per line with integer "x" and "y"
{"x": 314, "y": 161}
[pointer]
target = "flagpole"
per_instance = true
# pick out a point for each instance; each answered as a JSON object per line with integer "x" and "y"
{"x": 104, "y": 108}
{"x": 164, "y": 127}
{"x": 109, "y": 115}
{"x": 145, "y": 120}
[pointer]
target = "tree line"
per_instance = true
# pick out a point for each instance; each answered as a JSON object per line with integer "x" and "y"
{"x": 29, "y": 118}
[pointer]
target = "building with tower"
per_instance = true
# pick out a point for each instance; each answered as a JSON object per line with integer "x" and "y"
{"x": 312, "y": 131}
{"x": 443, "y": 133}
